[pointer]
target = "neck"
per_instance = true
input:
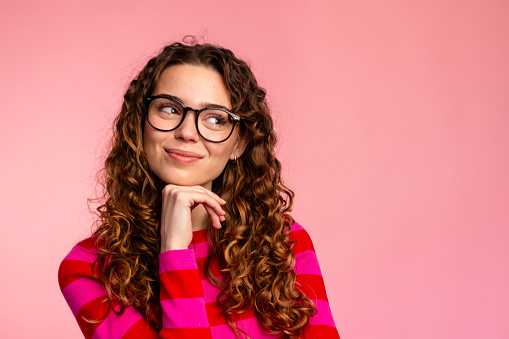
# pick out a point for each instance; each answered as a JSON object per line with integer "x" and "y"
{"x": 199, "y": 218}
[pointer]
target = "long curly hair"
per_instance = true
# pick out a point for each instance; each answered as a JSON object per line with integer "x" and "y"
{"x": 253, "y": 247}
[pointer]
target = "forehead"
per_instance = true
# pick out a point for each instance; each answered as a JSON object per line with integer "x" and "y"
{"x": 194, "y": 84}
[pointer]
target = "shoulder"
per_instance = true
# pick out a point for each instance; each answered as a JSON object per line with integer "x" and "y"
{"x": 300, "y": 237}
{"x": 79, "y": 262}
{"x": 84, "y": 250}
{"x": 306, "y": 261}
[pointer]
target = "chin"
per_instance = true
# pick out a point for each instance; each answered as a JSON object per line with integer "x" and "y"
{"x": 185, "y": 181}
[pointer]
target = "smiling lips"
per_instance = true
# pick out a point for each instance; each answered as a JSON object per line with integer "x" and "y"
{"x": 183, "y": 156}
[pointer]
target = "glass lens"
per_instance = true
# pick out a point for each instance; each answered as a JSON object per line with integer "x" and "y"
{"x": 164, "y": 113}
{"x": 215, "y": 124}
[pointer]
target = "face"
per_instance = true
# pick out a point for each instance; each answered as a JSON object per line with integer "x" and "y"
{"x": 182, "y": 157}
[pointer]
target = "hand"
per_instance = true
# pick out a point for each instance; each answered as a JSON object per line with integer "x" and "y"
{"x": 177, "y": 205}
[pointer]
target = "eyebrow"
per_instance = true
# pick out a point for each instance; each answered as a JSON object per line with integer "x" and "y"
{"x": 203, "y": 104}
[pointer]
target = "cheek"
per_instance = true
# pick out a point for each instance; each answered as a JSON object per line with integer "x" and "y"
{"x": 151, "y": 137}
{"x": 222, "y": 151}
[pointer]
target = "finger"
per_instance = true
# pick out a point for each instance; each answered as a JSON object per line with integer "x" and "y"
{"x": 172, "y": 189}
{"x": 175, "y": 188}
{"x": 210, "y": 204}
{"x": 192, "y": 196}
{"x": 213, "y": 206}
{"x": 214, "y": 218}
{"x": 210, "y": 201}
{"x": 212, "y": 194}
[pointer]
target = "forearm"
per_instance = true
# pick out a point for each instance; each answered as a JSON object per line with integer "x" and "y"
{"x": 182, "y": 300}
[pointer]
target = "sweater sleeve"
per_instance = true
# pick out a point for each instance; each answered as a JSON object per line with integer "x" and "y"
{"x": 181, "y": 296}
{"x": 310, "y": 280}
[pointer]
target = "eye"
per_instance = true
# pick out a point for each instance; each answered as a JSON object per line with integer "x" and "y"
{"x": 169, "y": 108}
{"x": 215, "y": 118}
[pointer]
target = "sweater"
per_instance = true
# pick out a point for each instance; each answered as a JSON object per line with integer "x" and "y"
{"x": 187, "y": 297}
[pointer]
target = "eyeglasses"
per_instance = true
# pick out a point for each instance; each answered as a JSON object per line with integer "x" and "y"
{"x": 213, "y": 124}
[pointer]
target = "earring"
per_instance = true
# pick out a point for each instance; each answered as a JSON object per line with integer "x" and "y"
{"x": 234, "y": 159}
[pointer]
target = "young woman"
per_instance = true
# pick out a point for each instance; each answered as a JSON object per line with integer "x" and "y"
{"x": 194, "y": 236}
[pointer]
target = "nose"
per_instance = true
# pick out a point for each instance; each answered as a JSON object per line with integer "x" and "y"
{"x": 187, "y": 129}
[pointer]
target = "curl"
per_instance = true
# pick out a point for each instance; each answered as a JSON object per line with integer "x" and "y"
{"x": 253, "y": 247}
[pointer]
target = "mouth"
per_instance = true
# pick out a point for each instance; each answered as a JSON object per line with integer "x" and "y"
{"x": 183, "y": 156}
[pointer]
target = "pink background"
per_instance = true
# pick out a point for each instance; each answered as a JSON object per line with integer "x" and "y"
{"x": 394, "y": 125}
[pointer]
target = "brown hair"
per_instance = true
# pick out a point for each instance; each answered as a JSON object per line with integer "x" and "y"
{"x": 253, "y": 246}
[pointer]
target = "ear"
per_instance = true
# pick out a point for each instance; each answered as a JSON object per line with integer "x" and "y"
{"x": 240, "y": 146}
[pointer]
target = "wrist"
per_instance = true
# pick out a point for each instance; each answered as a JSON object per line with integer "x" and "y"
{"x": 173, "y": 246}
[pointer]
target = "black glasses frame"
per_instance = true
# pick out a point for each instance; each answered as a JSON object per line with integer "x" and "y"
{"x": 149, "y": 99}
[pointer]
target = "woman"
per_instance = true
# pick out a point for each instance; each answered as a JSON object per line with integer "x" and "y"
{"x": 194, "y": 236}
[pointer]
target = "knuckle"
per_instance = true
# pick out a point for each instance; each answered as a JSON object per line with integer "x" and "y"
{"x": 168, "y": 188}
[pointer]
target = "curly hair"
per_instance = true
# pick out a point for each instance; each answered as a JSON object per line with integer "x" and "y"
{"x": 253, "y": 247}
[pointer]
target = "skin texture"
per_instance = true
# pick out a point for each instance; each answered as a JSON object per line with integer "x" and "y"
{"x": 187, "y": 199}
